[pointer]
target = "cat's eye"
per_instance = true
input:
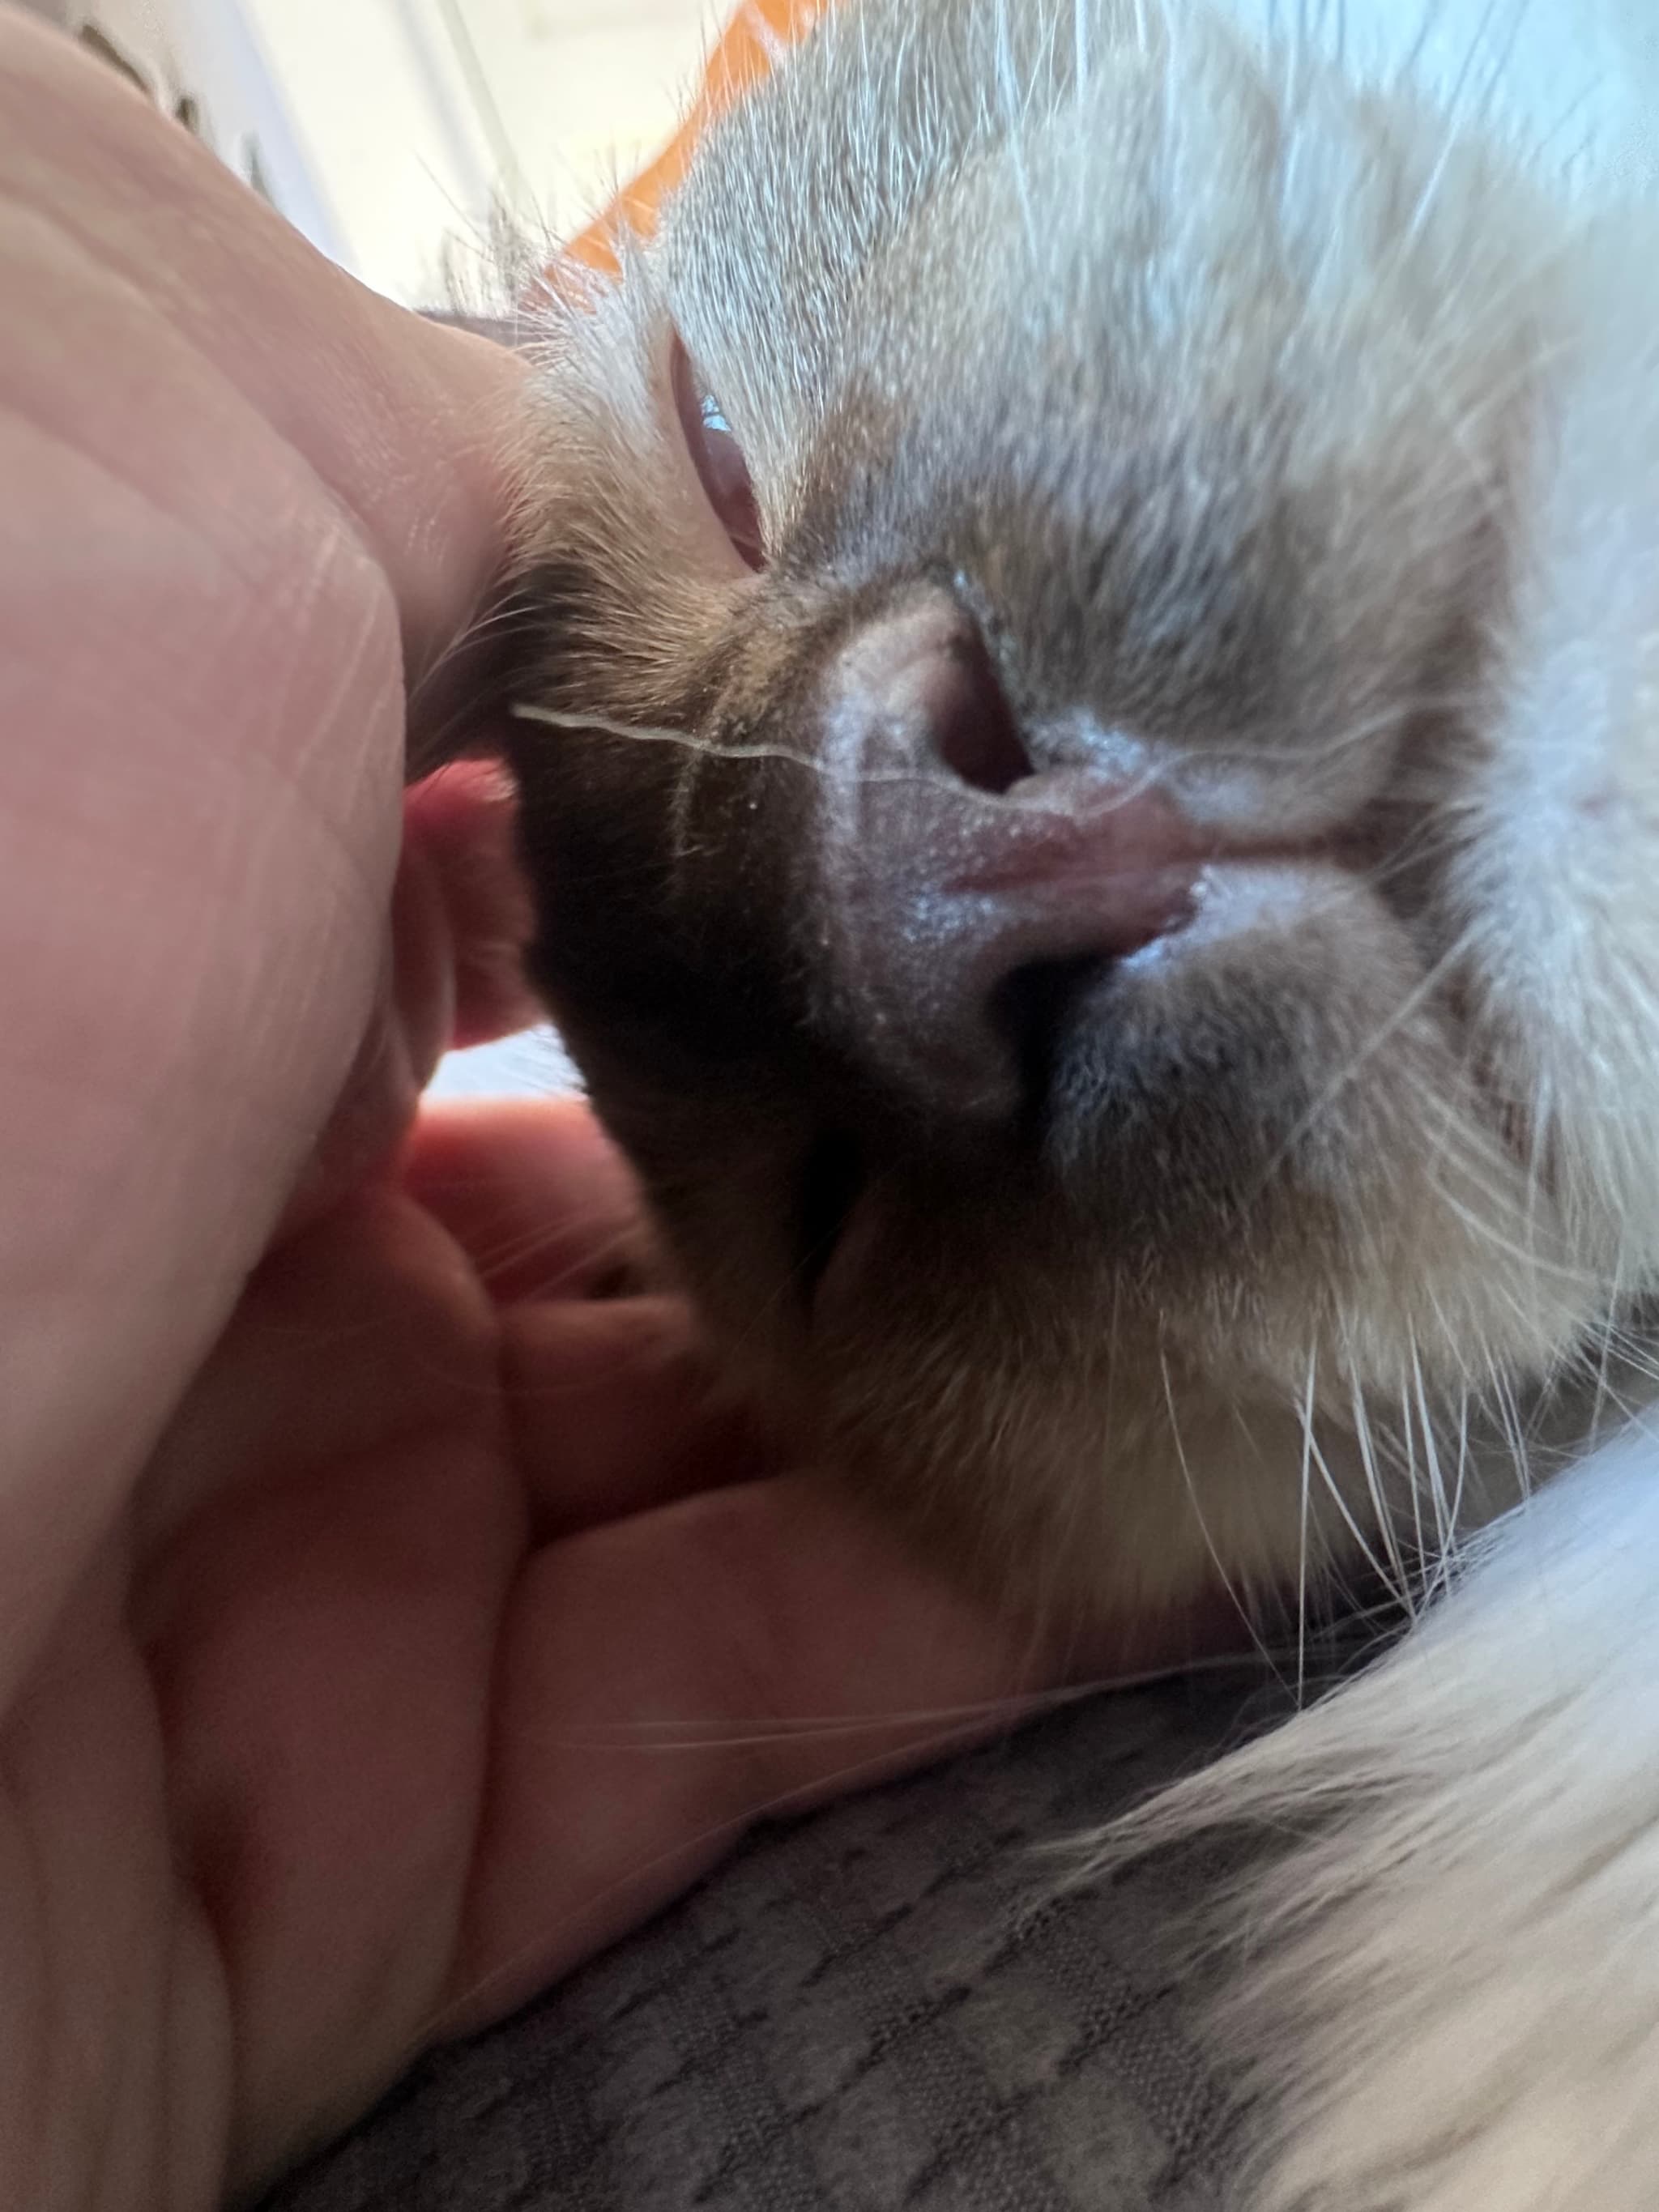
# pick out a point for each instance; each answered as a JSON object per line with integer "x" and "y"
{"x": 718, "y": 459}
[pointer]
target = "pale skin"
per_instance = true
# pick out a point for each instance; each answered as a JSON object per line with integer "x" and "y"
{"x": 355, "y": 1563}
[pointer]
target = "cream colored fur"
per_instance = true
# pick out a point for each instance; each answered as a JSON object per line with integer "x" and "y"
{"x": 1447, "y": 1995}
{"x": 1450, "y": 1995}
{"x": 1421, "y": 238}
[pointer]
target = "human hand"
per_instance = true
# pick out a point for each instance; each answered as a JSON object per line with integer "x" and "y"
{"x": 387, "y": 1619}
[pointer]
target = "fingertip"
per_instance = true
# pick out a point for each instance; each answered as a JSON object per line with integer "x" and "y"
{"x": 532, "y": 1190}
{"x": 460, "y": 826}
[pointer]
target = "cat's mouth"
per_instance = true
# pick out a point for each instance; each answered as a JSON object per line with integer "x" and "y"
{"x": 1191, "y": 1048}
{"x": 832, "y": 1180}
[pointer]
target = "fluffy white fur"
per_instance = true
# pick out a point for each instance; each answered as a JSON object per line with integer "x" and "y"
{"x": 1450, "y": 1990}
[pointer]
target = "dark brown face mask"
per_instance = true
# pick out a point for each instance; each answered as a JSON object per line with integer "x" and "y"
{"x": 1008, "y": 647}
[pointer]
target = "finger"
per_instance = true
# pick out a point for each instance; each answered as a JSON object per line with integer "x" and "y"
{"x": 407, "y": 424}
{"x": 217, "y": 562}
{"x": 191, "y": 908}
{"x": 366, "y": 1327}
{"x": 324, "y": 1674}
{"x": 665, "y": 1680}
{"x": 532, "y": 1190}
{"x": 613, "y": 1402}
{"x": 408, "y": 1024}
{"x": 613, "y": 1408}
{"x": 462, "y": 822}
{"x": 452, "y": 973}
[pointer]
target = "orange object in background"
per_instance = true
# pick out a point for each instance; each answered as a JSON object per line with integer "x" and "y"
{"x": 757, "y": 35}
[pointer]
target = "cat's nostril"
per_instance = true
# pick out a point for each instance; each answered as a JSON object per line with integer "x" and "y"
{"x": 960, "y": 909}
{"x": 966, "y": 924}
{"x": 918, "y": 688}
{"x": 974, "y": 730}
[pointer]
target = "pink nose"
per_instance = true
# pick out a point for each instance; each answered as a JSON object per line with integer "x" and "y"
{"x": 950, "y": 867}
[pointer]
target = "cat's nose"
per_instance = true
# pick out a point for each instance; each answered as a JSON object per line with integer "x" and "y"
{"x": 963, "y": 885}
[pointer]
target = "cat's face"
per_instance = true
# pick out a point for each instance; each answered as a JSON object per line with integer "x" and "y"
{"x": 1111, "y": 933}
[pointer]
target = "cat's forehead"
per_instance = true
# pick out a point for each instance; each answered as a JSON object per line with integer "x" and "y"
{"x": 1116, "y": 320}
{"x": 795, "y": 197}
{"x": 1061, "y": 206}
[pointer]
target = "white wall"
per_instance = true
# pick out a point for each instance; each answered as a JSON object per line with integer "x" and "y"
{"x": 387, "y": 129}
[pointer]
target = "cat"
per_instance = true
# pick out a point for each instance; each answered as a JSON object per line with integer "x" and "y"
{"x": 1089, "y": 766}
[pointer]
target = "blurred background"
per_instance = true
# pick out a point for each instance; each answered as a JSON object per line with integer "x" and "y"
{"x": 387, "y": 129}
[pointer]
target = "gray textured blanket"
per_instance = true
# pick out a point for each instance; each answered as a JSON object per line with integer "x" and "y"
{"x": 869, "y": 2009}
